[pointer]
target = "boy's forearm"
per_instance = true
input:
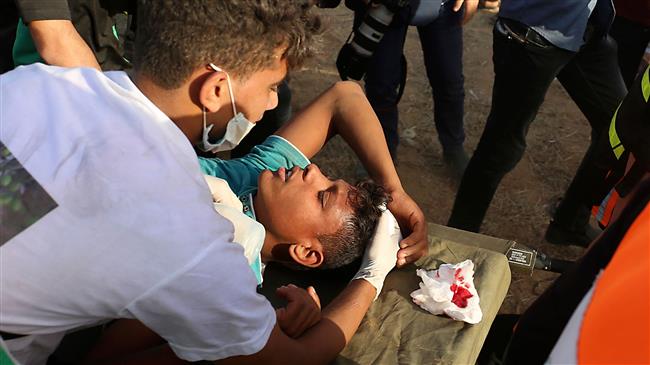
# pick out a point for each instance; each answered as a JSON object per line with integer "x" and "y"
{"x": 323, "y": 342}
{"x": 130, "y": 342}
{"x": 340, "y": 320}
{"x": 343, "y": 315}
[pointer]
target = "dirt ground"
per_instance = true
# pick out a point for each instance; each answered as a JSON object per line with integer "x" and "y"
{"x": 520, "y": 210}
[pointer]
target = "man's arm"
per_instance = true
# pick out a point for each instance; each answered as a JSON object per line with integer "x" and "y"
{"x": 344, "y": 109}
{"x": 54, "y": 36}
{"x": 59, "y": 44}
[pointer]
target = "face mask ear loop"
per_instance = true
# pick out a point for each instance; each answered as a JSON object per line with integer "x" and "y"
{"x": 204, "y": 117}
{"x": 232, "y": 96}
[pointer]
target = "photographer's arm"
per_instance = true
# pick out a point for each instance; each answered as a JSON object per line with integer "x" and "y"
{"x": 471, "y": 6}
{"x": 344, "y": 109}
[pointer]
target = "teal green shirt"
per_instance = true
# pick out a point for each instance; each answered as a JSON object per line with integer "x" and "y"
{"x": 242, "y": 173}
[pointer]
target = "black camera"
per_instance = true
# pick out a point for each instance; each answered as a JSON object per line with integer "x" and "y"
{"x": 352, "y": 61}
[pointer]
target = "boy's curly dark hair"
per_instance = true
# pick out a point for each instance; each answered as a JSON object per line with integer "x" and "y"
{"x": 349, "y": 242}
{"x": 174, "y": 38}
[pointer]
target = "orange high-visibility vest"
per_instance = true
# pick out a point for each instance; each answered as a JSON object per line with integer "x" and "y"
{"x": 616, "y": 325}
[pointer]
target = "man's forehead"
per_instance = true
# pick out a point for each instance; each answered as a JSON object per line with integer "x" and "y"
{"x": 345, "y": 190}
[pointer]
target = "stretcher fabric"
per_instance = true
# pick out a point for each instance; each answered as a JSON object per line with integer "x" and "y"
{"x": 395, "y": 330}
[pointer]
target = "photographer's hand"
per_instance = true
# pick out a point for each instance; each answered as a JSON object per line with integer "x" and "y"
{"x": 471, "y": 7}
{"x": 490, "y": 6}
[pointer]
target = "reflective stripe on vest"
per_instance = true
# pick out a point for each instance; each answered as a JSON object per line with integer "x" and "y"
{"x": 603, "y": 212}
{"x": 614, "y": 141}
{"x": 616, "y": 326}
{"x": 645, "y": 84}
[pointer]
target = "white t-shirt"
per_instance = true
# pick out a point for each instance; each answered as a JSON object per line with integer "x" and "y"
{"x": 134, "y": 235}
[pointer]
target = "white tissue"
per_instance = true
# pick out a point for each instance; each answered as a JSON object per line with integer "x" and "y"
{"x": 450, "y": 290}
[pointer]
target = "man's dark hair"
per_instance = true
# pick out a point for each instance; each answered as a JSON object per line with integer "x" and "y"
{"x": 174, "y": 38}
{"x": 348, "y": 243}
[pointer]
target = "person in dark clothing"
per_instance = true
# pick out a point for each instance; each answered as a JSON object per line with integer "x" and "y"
{"x": 442, "y": 47}
{"x": 578, "y": 320}
{"x": 8, "y": 22}
{"x": 536, "y": 41}
{"x": 631, "y": 30}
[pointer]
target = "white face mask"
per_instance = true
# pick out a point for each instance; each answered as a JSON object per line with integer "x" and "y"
{"x": 238, "y": 127}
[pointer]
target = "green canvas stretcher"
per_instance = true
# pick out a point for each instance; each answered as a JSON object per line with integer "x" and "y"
{"x": 395, "y": 330}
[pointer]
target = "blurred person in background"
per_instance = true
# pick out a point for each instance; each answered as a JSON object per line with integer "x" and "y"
{"x": 631, "y": 30}
{"x": 536, "y": 41}
{"x": 441, "y": 38}
{"x": 74, "y": 33}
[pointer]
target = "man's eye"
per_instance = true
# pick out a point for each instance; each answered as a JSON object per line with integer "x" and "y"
{"x": 274, "y": 88}
{"x": 321, "y": 198}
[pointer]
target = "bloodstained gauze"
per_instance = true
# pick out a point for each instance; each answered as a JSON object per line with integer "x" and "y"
{"x": 460, "y": 295}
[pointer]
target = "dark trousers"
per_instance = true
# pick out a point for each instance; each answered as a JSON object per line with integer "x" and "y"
{"x": 8, "y": 22}
{"x": 523, "y": 74}
{"x": 442, "y": 45}
{"x": 632, "y": 39}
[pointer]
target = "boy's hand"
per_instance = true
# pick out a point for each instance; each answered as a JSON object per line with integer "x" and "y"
{"x": 302, "y": 310}
{"x": 412, "y": 222}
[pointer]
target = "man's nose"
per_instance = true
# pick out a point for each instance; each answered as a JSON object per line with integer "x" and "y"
{"x": 313, "y": 173}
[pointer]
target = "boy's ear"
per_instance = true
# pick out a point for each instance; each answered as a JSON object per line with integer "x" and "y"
{"x": 307, "y": 253}
{"x": 213, "y": 92}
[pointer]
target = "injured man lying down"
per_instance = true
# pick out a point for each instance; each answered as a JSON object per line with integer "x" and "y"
{"x": 294, "y": 214}
{"x": 284, "y": 209}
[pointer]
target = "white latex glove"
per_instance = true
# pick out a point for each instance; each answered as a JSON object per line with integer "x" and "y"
{"x": 221, "y": 192}
{"x": 380, "y": 256}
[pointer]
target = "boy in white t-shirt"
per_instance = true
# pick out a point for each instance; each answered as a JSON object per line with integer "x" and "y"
{"x": 133, "y": 233}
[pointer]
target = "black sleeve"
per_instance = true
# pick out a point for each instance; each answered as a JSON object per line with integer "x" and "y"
{"x": 31, "y": 10}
